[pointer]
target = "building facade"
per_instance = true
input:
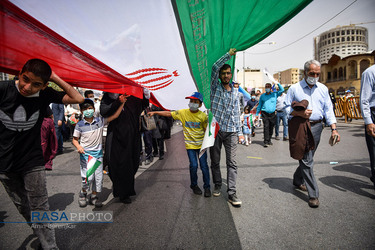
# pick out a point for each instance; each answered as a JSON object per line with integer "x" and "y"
{"x": 342, "y": 73}
{"x": 342, "y": 41}
{"x": 289, "y": 76}
{"x": 251, "y": 79}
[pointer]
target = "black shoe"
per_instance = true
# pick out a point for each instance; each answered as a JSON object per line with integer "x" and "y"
{"x": 265, "y": 145}
{"x": 234, "y": 200}
{"x": 207, "y": 192}
{"x": 285, "y": 138}
{"x": 277, "y": 138}
{"x": 197, "y": 190}
{"x": 270, "y": 143}
{"x": 155, "y": 154}
{"x": 126, "y": 200}
{"x": 94, "y": 200}
{"x": 161, "y": 157}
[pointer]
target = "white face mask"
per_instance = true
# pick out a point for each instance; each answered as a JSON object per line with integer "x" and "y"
{"x": 312, "y": 80}
{"x": 193, "y": 106}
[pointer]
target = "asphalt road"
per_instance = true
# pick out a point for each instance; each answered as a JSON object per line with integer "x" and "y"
{"x": 165, "y": 214}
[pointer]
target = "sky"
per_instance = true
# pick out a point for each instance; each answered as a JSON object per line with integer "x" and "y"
{"x": 315, "y": 14}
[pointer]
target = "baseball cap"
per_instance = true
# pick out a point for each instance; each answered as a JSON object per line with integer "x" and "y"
{"x": 348, "y": 91}
{"x": 195, "y": 95}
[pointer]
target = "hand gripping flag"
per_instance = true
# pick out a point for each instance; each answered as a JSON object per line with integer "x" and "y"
{"x": 92, "y": 165}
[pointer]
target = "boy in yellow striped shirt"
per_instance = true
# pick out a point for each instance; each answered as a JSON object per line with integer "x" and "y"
{"x": 194, "y": 123}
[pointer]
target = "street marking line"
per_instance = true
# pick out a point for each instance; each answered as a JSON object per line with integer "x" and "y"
{"x": 253, "y": 157}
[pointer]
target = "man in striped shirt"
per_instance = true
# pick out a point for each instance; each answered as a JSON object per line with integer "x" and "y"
{"x": 225, "y": 107}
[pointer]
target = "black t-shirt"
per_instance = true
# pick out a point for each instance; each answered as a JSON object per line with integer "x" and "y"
{"x": 20, "y": 123}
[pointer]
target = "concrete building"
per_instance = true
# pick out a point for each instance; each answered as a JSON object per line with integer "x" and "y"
{"x": 252, "y": 78}
{"x": 289, "y": 76}
{"x": 342, "y": 41}
{"x": 342, "y": 73}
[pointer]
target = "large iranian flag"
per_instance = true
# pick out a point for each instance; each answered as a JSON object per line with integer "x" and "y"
{"x": 167, "y": 46}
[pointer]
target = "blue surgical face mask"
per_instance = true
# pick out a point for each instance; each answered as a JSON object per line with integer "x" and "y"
{"x": 268, "y": 90}
{"x": 253, "y": 97}
{"x": 193, "y": 106}
{"x": 88, "y": 113}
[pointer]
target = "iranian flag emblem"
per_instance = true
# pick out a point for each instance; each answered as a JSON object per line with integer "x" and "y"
{"x": 210, "y": 134}
{"x": 92, "y": 165}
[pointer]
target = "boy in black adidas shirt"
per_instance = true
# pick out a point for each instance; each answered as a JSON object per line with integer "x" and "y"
{"x": 23, "y": 103}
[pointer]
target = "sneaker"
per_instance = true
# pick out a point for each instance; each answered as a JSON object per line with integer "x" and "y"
{"x": 94, "y": 200}
{"x": 207, "y": 192}
{"x": 270, "y": 143}
{"x": 147, "y": 162}
{"x": 82, "y": 201}
{"x": 234, "y": 200}
{"x": 277, "y": 138}
{"x": 197, "y": 190}
{"x": 265, "y": 145}
{"x": 217, "y": 191}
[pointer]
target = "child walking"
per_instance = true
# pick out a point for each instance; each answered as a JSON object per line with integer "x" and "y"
{"x": 247, "y": 125}
{"x": 89, "y": 132}
{"x": 194, "y": 124}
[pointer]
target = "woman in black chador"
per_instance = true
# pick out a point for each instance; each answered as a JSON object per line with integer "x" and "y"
{"x": 123, "y": 143}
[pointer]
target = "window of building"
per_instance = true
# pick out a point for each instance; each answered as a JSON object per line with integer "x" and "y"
{"x": 333, "y": 40}
{"x": 352, "y": 38}
{"x": 333, "y": 34}
{"x": 343, "y": 32}
{"x": 337, "y": 33}
{"x": 352, "y": 32}
{"x": 347, "y": 38}
{"x": 342, "y": 39}
{"x": 329, "y": 41}
{"x": 338, "y": 40}
{"x": 348, "y": 32}
{"x": 356, "y": 32}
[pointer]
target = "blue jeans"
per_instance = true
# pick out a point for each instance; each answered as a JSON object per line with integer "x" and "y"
{"x": 281, "y": 116}
{"x": 193, "y": 156}
{"x": 59, "y": 138}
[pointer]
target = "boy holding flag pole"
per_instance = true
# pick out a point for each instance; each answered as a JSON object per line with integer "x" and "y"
{"x": 89, "y": 132}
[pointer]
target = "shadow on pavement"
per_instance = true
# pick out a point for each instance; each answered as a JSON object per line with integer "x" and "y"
{"x": 165, "y": 214}
{"x": 362, "y": 169}
{"x": 285, "y": 185}
{"x": 344, "y": 184}
{"x": 3, "y": 215}
{"x": 60, "y": 201}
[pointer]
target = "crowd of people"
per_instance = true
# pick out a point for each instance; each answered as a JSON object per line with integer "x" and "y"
{"x": 108, "y": 132}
